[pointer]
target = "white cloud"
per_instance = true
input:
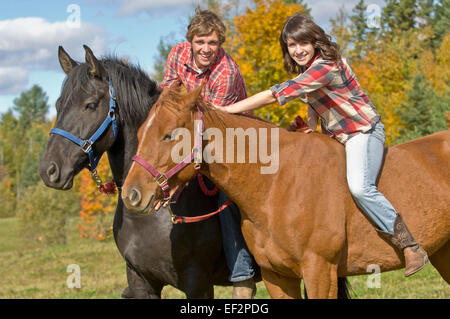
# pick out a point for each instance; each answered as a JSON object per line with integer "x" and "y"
{"x": 31, "y": 43}
{"x": 12, "y": 79}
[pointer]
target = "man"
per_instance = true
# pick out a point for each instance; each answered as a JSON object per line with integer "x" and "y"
{"x": 202, "y": 60}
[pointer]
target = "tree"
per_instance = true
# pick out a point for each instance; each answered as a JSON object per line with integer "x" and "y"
{"x": 32, "y": 106}
{"x": 24, "y": 138}
{"x": 424, "y": 111}
{"x": 358, "y": 28}
{"x": 35, "y": 140}
{"x": 400, "y": 15}
{"x": 164, "y": 46}
{"x": 7, "y": 197}
{"x": 97, "y": 209}
{"x": 340, "y": 30}
{"x": 43, "y": 213}
{"x": 441, "y": 21}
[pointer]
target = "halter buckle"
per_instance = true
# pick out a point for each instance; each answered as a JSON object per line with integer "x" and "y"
{"x": 161, "y": 180}
{"x": 87, "y": 146}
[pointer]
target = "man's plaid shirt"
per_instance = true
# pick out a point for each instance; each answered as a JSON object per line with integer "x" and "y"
{"x": 223, "y": 80}
{"x": 334, "y": 94}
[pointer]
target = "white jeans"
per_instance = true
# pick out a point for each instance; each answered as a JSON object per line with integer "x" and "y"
{"x": 364, "y": 156}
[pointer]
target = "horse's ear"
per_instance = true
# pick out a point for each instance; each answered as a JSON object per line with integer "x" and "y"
{"x": 66, "y": 62}
{"x": 192, "y": 97}
{"x": 95, "y": 68}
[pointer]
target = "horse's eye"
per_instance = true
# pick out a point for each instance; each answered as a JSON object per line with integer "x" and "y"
{"x": 91, "y": 106}
{"x": 167, "y": 137}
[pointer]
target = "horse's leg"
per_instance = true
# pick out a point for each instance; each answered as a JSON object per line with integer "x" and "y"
{"x": 280, "y": 287}
{"x": 140, "y": 288}
{"x": 320, "y": 277}
{"x": 196, "y": 283}
{"x": 441, "y": 261}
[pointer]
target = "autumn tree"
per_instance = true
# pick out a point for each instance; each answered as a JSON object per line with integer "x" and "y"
{"x": 97, "y": 209}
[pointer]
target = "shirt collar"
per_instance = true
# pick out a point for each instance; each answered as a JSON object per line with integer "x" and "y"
{"x": 314, "y": 58}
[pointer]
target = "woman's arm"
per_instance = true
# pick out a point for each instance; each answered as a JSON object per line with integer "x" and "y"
{"x": 255, "y": 101}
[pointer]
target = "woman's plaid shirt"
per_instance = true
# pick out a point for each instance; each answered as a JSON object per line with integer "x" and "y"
{"x": 334, "y": 93}
{"x": 223, "y": 80}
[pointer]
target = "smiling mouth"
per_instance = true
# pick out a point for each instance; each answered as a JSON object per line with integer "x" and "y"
{"x": 301, "y": 57}
{"x": 206, "y": 58}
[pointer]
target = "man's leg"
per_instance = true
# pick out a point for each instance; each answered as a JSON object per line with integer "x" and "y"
{"x": 239, "y": 259}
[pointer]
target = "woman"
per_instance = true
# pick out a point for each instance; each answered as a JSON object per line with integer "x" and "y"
{"x": 327, "y": 83}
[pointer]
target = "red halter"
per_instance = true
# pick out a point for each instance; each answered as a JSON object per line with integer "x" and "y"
{"x": 163, "y": 179}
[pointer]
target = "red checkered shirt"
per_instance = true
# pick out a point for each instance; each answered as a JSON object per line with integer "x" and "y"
{"x": 224, "y": 83}
{"x": 335, "y": 95}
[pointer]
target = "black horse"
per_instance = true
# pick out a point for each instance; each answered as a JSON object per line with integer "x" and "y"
{"x": 157, "y": 253}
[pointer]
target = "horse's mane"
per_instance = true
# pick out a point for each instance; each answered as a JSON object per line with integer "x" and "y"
{"x": 176, "y": 96}
{"x": 135, "y": 91}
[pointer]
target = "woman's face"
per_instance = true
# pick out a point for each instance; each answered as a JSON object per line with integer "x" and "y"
{"x": 301, "y": 52}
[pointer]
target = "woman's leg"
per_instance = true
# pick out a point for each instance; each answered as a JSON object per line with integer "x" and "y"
{"x": 364, "y": 158}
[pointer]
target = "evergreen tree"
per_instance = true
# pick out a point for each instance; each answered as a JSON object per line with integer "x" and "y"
{"x": 340, "y": 30}
{"x": 163, "y": 50}
{"x": 358, "y": 28}
{"x": 441, "y": 21}
{"x": 32, "y": 106}
{"x": 424, "y": 112}
{"x": 399, "y": 15}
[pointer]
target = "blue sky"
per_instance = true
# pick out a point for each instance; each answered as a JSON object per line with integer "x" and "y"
{"x": 31, "y": 31}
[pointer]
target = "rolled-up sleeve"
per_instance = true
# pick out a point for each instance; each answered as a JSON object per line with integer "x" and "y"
{"x": 317, "y": 76}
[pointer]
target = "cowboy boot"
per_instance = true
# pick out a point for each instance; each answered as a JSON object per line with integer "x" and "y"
{"x": 415, "y": 256}
{"x": 244, "y": 289}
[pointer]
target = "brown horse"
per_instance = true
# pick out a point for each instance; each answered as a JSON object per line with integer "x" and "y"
{"x": 300, "y": 221}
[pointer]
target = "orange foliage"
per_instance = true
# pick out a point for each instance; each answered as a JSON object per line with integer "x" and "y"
{"x": 97, "y": 209}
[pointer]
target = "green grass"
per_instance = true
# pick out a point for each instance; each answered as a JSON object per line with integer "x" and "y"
{"x": 33, "y": 271}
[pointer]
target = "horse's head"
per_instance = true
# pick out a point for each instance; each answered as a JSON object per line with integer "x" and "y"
{"x": 162, "y": 146}
{"x": 82, "y": 107}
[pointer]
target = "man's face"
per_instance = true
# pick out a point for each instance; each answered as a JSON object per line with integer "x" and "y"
{"x": 205, "y": 49}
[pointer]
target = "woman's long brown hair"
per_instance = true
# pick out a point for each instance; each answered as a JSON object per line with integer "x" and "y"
{"x": 301, "y": 28}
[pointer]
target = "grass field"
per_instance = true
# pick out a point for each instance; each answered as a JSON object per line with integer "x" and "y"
{"x": 31, "y": 271}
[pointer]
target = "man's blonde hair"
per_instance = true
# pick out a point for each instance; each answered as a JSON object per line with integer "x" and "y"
{"x": 204, "y": 23}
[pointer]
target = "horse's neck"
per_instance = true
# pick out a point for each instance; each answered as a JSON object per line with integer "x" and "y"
{"x": 121, "y": 153}
{"x": 239, "y": 179}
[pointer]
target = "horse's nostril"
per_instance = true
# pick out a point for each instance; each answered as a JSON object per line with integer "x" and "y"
{"x": 53, "y": 172}
{"x": 135, "y": 197}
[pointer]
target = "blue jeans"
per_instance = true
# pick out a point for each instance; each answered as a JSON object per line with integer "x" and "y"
{"x": 364, "y": 155}
{"x": 238, "y": 257}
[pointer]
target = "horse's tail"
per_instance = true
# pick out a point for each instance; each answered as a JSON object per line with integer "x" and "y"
{"x": 343, "y": 289}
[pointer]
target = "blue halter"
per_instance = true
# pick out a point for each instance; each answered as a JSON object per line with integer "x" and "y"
{"x": 86, "y": 145}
